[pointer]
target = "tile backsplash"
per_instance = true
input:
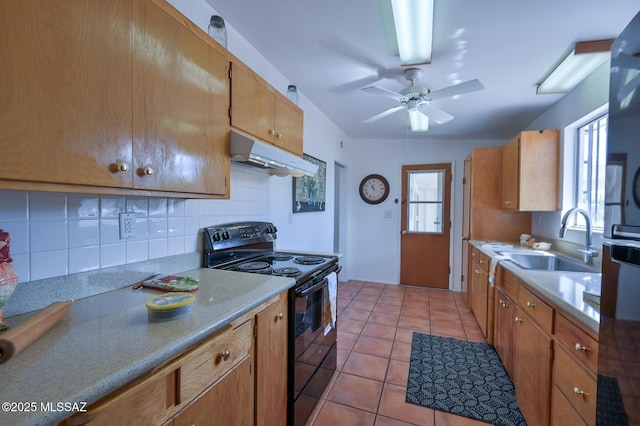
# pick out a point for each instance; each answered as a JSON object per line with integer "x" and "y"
{"x": 55, "y": 234}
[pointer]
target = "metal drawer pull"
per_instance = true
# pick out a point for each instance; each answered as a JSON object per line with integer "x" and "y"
{"x": 579, "y": 347}
{"x": 531, "y": 305}
{"x": 148, "y": 171}
{"x": 578, "y": 392}
{"x": 225, "y": 355}
{"x": 280, "y": 316}
{"x": 122, "y": 167}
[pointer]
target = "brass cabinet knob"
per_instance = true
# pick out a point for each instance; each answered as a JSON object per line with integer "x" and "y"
{"x": 122, "y": 167}
{"x": 404, "y": 232}
{"x": 148, "y": 171}
{"x": 272, "y": 132}
{"x": 518, "y": 319}
{"x": 278, "y": 135}
{"x": 579, "y": 392}
{"x": 225, "y": 355}
{"x": 531, "y": 305}
{"x": 579, "y": 348}
{"x": 280, "y": 316}
{"x": 507, "y": 203}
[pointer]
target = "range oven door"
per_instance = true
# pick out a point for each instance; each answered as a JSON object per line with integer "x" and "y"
{"x": 313, "y": 350}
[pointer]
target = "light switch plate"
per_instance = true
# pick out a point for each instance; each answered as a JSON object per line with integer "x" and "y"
{"x": 127, "y": 225}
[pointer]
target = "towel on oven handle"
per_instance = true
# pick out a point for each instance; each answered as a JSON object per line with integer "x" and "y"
{"x": 329, "y": 315}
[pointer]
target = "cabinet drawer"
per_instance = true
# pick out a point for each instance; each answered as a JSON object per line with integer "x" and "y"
{"x": 582, "y": 346}
{"x": 206, "y": 364}
{"x": 576, "y": 384}
{"x": 538, "y": 310}
{"x": 562, "y": 413}
{"x": 509, "y": 283}
{"x": 482, "y": 261}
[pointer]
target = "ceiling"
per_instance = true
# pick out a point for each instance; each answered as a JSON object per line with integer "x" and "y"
{"x": 331, "y": 49}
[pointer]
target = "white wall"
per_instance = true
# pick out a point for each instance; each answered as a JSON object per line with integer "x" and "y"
{"x": 374, "y": 240}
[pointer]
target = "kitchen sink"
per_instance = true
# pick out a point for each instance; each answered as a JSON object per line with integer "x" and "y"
{"x": 547, "y": 262}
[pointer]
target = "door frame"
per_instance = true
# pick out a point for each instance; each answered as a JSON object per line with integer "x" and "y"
{"x": 453, "y": 261}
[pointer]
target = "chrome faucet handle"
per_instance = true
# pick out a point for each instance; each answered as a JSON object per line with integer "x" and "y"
{"x": 590, "y": 252}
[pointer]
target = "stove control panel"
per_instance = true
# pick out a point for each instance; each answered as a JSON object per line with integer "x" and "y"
{"x": 240, "y": 234}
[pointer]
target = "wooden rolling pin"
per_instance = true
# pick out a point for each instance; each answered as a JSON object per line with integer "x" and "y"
{"x": 19, "y": 337}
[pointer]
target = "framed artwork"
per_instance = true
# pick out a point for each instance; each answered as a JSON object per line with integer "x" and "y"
{"x": 309, "y": 193}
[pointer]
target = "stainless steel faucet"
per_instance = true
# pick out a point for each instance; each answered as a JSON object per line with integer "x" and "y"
{"x": 588, "y": 253}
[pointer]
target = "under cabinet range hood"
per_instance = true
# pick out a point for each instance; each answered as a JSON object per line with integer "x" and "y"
{"x": 252, "y": 152}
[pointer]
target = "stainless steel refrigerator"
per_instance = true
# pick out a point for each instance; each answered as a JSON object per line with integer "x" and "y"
{"x": 618, "y": 401}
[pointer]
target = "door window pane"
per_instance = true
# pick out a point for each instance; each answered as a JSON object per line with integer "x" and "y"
{"x": 425, "y": 201}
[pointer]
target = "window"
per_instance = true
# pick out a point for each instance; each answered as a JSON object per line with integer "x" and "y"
{"x": 590, "y": 171}
{"x": 426, "y": 198}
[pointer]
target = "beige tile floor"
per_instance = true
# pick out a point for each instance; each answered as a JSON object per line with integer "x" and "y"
{"x": 375, "y": 326}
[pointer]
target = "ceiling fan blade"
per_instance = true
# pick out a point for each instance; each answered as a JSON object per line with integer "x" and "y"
{"x": 382, "y": 92}
{"x": 355, "y": 85}
{"x": 383, "y": 114}
{"x": 456, "y": 89}
{"x": 436, "y": 115}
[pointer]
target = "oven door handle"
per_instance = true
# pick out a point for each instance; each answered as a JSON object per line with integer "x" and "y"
{"x": 312, "y": 289}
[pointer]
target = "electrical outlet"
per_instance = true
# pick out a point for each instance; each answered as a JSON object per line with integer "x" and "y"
{"x": 127, "y": 225}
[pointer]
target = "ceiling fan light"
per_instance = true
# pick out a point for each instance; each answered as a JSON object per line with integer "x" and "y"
{"x": 419, "y": 121}
{"x": 413, "y": 21}
{"x": 575, "y": 67}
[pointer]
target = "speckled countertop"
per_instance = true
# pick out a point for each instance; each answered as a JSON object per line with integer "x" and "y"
{"x": 565, "y": 289}
{"x": 107, "y": 340}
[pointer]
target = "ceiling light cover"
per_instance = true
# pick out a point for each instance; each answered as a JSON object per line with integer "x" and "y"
{"x": 414, "y": 30}
{"x": 419, "y": 121}
{"x": 575, "y": 67}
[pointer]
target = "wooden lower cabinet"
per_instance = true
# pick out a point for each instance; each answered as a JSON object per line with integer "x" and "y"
{"x": 479, "y": 289}
{"x": 551, "y": 358}
{"x": 227, "y": 402}
{"x": 503, "y": 340}
{"x": 271, "y": 364}
{"x": 238, "y": 376}
{"x": 532, "y": 368}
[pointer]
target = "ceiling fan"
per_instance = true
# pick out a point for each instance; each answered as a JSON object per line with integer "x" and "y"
{"x": 417, "y": 99}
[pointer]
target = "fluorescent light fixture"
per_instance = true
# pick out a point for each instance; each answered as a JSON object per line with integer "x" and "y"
{"x": 419, "y": 121}
{"x": 583, "y": 59}
{"x": 414, "y": 29}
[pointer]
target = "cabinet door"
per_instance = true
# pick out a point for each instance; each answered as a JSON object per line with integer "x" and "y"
{"x": 271, "y": 364}
{"x": 228, "y": 402}
{"x": 289, "y": 126}
{"x": 505, "y": 313}
{"x": 252, "y": 104}
{"x": 479, "y": 293}
{"x": 511, "y": 174}
{"x": 180, "y": 98}
{"x": 65, "y": 115}
{"x": 532, "y": 364}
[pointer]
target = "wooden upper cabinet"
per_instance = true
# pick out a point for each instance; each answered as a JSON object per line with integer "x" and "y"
{"x": 289, "y": 125}
{"x": 65, "y": 115}
{"x": 258, "y": 109}
{"x": 530, "y": 171}
{"x": 180, "y": 102}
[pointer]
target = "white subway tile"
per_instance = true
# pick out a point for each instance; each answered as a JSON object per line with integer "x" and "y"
{"x": 110, "y": 206}
{"x": 84, "y": 233}
{"x": 175, "y": 226}
{"x": 113, "y": 255}
{"x": 21, "y": 265}
{"x": 175, "y": 207}
{"x": 19, "y": 232}
{"x": 158, "y": 248}
{"x": 175, "y": 245}
{"x": 84, "y": 259}
{"x": 81, "y": 206}
{"x": 13, "y": 206}
{"x": 137, "y": 251}
{"x": 49, "y": 264}
{"x": 158, "y": 227}
{"x": 47, "y": 206}
{"x": 192, "y": 207}
{"x": 109, "y": 231}
{"x": 47, "y": 235}
{"x": 137, "y": 205}
{"x": 157, "y": 207}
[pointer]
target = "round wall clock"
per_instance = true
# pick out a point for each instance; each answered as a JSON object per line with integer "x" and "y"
{"x": 636, "y": 188}
{"x": 374, "y": 189}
